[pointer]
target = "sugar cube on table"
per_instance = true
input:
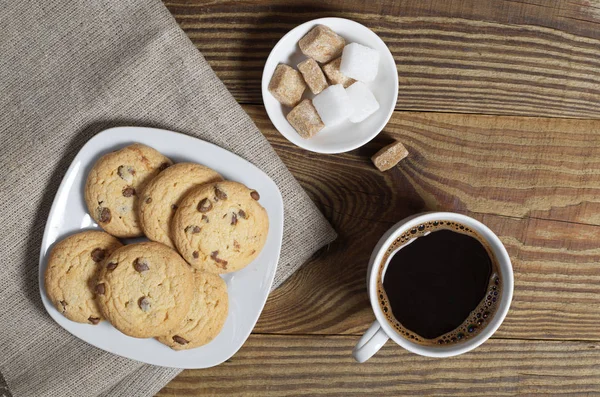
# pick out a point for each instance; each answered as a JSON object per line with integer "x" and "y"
{"x": 313, "y": 75}
{"x": 333, "y": 105}
{"x": 305, "y": 119}
{"x": 389, "y": 156}
{"x": 362, "y": 100}
{"x": 322, "y": 44}
{"x": 359, "y": 62}
{"x": 332, "y": 71}
{"x": 287, "y": 85}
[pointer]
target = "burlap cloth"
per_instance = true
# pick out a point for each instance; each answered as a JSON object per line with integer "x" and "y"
{"x": 69, "y": 69}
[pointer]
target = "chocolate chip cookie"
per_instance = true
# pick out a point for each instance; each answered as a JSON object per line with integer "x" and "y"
{"x": 145, "y": 289}
{"x": 113, "y": 185}
{"x": 206, "y": 316}
{"x": 70, "y": 277}
{"x": 162, "y": 195}
{"x": 220, "y": 227}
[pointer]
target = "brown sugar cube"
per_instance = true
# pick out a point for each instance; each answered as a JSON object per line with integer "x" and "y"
{"x": 305, "y": 119}
{"x": 287, "y": 85}
{"x": 332, "y": 70}
{"x": 313, "y": 75}
{"x": 322, "y": 44}
{"x": 389, "y": 156}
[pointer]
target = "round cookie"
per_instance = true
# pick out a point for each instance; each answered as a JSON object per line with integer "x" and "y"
{"x": 207, "y": 314}
{"x": 70, "y": 278}
{"x": 145, "y": 289}
{"x": 162, "y": 195}
{"x": 113, "y": 184}
{"x": 220, "y": 227}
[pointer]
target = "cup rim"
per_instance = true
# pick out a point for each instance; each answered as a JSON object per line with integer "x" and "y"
{"x": 505, "y": 268}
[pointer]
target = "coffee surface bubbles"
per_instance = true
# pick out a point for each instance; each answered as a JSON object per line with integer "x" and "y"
{"x": 442, "y": 284}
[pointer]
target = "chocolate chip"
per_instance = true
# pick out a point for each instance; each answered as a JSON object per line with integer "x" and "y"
{"x": 98, "y": 255}
{"x": 180, "y": 340}
{"x": 128, "y": 191}
{"x": 94, "y": 320}
{"x": 193, "y": 229}
{"x": 104, "y": 215}
{"x": 205, "y": 218}
{"x": 126, "y": 173}
{"x": 233, "y": 219}
{"x": 214, "y": 255}
{"x": 221, "y": 195}
{"x": 242, "y": 214}
{"x": 144, "y": 304}
{"x": 195, "y": 254}
{"x": 236, "y": 245}
{"x": 163, "y": 166}
{"x": 140, "y": 265}
{"x": 112, "y": 265}
{"x": 254, "y": 194}
{"x": 148, "y": 200}
{"x": 205, "y": 205}
{"x": 174, "y": 207}
{"x": 100, "y": 289}
{"x": 64, "y": 306}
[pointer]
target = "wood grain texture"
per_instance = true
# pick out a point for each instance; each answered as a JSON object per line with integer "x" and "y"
{"x": 537, "y": 58}
{"x": 511, "y": 166}
{"x": 533, "y": 181}
{"x": 271, "y": 365}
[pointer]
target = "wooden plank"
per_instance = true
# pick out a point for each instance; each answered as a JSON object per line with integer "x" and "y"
{"x": 501, "y": 170}
{"x": 271, "y": 365}
{"x": 557, "y": 282}
{"x": 471, "y": 56}
{"x": 511, "y": 166}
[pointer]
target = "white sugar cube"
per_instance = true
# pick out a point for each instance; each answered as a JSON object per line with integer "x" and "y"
{"x": 359, "y": 62}
{"x": 333, "y": 105}
{"x": 362, "y": 100}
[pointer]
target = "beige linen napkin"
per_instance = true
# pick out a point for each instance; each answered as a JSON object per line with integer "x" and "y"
{"x": 69, "y": 69}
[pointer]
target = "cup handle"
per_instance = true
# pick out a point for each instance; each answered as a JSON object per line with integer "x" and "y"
{"x": 370, "y": 343}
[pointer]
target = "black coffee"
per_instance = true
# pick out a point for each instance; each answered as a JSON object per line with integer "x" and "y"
{"x": 442, "y": 284}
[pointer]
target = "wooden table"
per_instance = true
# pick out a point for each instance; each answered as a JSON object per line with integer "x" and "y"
{"x": 493, "y": 102}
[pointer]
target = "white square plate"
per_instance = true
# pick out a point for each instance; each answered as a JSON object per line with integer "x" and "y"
{"x": 248, "y": 288}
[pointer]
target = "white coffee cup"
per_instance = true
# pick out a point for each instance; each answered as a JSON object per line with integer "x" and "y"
{"x": 381, "y": 330}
